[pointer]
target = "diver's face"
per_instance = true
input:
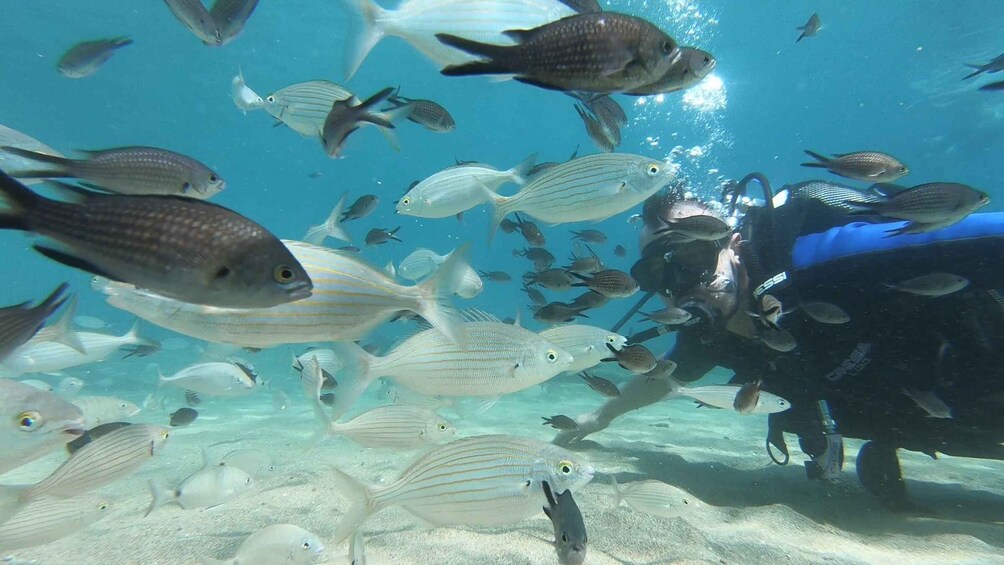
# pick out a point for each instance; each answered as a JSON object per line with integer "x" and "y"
{"x": 721, "y": 291}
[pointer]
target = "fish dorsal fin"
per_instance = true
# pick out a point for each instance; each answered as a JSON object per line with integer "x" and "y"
{"x": 475, "y": 315}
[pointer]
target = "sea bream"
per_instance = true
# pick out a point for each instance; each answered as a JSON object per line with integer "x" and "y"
{"x": 40, "y": 356}
{"x": 418, "y": 22}
{"x": 33, "y": 423}
{"x": 351, "y": 299}
{"x": 454, "y": 190}
{"x": 212, "y": 379}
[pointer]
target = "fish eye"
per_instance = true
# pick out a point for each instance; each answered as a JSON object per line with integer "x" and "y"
{"x": 247, "y": 481}
{"x": 707, "y": 61}
{"x": 902, "y": 168}
{"x": 213, "y": 178}
{"x": 29, "y": 420}
{"x": 306, "y": 545}
{"x": 565, "y": 467}
{"x": 564, "y": 538}
{"x": 186, "y": 187}
{"x": 442, "y": 427}
{"x": 782, "y": 402}
{"x": 667, "y": 47}
{"x": 653, "y": 169}
{"x": 686, "y": 502}
{"x": 611, "y": 339}
{"x": 552, "y": 356}
{"x": 271, "y": 99}
{"x": 283, "y": 274}
{"x": 223, "y": 272}
{"x": 405, "y": 201}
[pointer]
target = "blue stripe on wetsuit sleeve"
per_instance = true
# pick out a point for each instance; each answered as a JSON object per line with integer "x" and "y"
{"x": 861, "y": 238}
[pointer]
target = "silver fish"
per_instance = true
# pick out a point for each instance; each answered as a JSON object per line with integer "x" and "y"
{"x": 245, "y": 98}
{"x": 932, "y": 285}
{"x": 810, "y": 28}
{"x": 304, "y": 106}
{"x": 395, "y": 426}
{"x": 230, "y": 16}
{"x": 724, "y": 396}
{"x": 670, "y": 316}
{"x": 44, "y": 356}
{"x": 211, "y": 486}
{"x": 656, "y": 498}
{"x": 490, "y": 480}
{"x": 194, "y": 16}
{"x": 85, "y": 58}
{"x": 255, "y": 462}
{"x": 455, "y": 190}
{"x": 33, "y": 423}
{"x": 211, "y": 379}
{"x": 586, "y": 344}
{"x": 590, "y": 188}
{"x": 332, "y": 227}
{"x": 929, "y": 402}
{"x": 99, "y": 410}
{"x": 49, "y": 519}
{"x": 426, "y": 113}
{"x": 275, "y": 545}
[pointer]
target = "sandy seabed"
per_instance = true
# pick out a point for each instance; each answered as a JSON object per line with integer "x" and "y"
{"x": 754, "y": 511}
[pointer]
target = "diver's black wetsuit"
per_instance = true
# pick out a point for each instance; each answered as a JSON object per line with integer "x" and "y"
{"x": 952, "y": 345}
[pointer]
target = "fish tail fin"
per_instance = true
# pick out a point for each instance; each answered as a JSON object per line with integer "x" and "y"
{"x": 802, "y": 36}
{"x": 436, "y": 291}
{"x": 500, "y": 209}
{"x": 492, "y": 53}
{"x": 161, "y": 495}
{"x": 824, "y": 162}
{"x": 331, "y": 227}
{"x": 519, "y": 172}
{"x": 362, "y": 505}
{"x": 371, "y": 33}
{"x": 618, "y": 493}
{"x": 133, "y": 337}
{"x": 315, "y": 235}
{"x": 65, "y": 334}
{"x": 357, "y": 374}
{"x": 20, "y": 201}
{"x": 120, "y": 42}
{"x": 60, "y": 162}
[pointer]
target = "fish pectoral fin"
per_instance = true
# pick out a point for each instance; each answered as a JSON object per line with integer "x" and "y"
{"x": 70, "y": 260}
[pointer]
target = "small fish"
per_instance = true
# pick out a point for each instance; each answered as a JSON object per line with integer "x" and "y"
{"x": 19, "y": 323}
{"x": 145, "y": 349}
{"x": 932, "y": 285}
{"x": 590, "y": 236}
{"x": 542, "y": 258}
{"x": 490, "y": 481}
{"x": 587, "y": 344}
{"x": 32, "y": 424}
{"x": 868, "y": 166}
{"x": 49, "y": 519}
{"x": 194, "y": 16}
{"x": 508, "y": 226}
{"x": 609, "y": 112}
{"x": 350, "y": 249}
{"x": 655, "y": 498}
{"x": 585, "y": 265}
{"x": 395, "y": 426}
{"x": 929, "y": 402}
{"x": 212, "y": 379}
{"x": 425, "y": 113}
{"x": 995, "y": 65}
{"x": 810, "y": 28}
{"x": 455, "y": 190}
{"x": 93, "y": 434}
{"x": 610, "y": 283}
{"x": 362, "y": 207}
{"x": 620, "y": 251}
{"x": 602, "y": 53}
{"x": 85, "y": 58}
{"x": 345, "y": 117}
{"x": 69, "y": 387}
{"x": 530, "y": 232}
{"x": 724, "y": 396}
{"x": 274, "y": 545}
{"x": 694, "y": 65}
{"x": 208, "y": 487}
{"x": 380, "y": 236}
{"x": 255, "y": 462}
{"x": 570, "y": 537}
{"x": 601, "y": 385}
{"x": 747, "y": 397}
{"x": 496, "y": 276}
{"x": 130, "y": 170}
{"x": 557, "y": 312}
{"x": 635, "y": 358}
{"x": 993, "y": 86}
{"x": 332, "y": 227}
{"x": 670, "y": 316}
{"x": 771, "y": 311}
{"x": 698, "y": 227}
{"x": 244, "y": 98}
{"x": 535, "y": 296}
{"x": 928, "y": 206}
{"x": 551, "y": 279}
{"x": 663, "y": 370}
{"x": 825, "y": 312}
{"x": 560, "y": 422}
{"x": 103, "y": 409}
{"x": 181, "y": 248}
{"x": 230, "y": 17}
{"x": 183, "y": 416}
{"x": 588, "y": 300}
{"x": 777, "y": 339}
{"x": 606, "y": 139}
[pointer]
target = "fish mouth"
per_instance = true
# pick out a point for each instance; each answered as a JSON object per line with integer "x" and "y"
{"x": 73, "y": 427}
{"x": 301, "y": 291}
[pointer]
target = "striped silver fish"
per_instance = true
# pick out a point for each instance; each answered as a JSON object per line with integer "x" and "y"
{"x": 495, "y": 359}
{"x": 350, "y": 299}
{"x": 492, "y": 480}
{"x": 724, "y": 396}
{"x": 19, "y": 323}
{"x": 587, "y": 344}
{"x": 103, "y": 409}
{"x": 418, "y": 22}
{"x": 40, "y": 356}
{"x": 49, "y": 519}
{"x": 423, "y": 262}
{"x": 396, "y": 426}
{"x": 591, "y": 188}
{"x": 457, "y": 189}
{"x": 104, "y": 460}
{"x": 656, "y": 498}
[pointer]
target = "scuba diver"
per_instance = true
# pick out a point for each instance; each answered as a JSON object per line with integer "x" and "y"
{"x": 896, "y": 366}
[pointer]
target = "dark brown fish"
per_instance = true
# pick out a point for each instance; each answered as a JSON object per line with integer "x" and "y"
{"x": 551, "y": 279}
{"x": 601, "y": 385}
{"x": 350, "y": 249}
{"x": 530, "y": 232}
{"x": 607, "y": 110}
{"x": 183, "y": 417}
{"x": 598, "y": 52}
{"x": 542, "y": 258}
{"x": 585, "y": 265}
{"x": 557, "y": 312}
{"x": 141, "y": 349}
{"x": 192, "y": 398}
{"x": 810, "y": 28}
{"x": 362, "y": 207}
{"x": 993, "y": 86}
{"x": 620, "y": 251}
{"x": 93, "y": 434}
{"x": 425, "y": 113}
{"x": 635, "y": 358}
{"x": 508, "y": 226}
{"x": 496, "y": 276}
{"x": 535, "y": 296}
{"x": 560, "y": 422}
{"x": 747, "y": 396}
{"x": 19, "y": 323}
{"x": 346, "y": 116}
{"x": 691, "y": 69}
{"x": 868, "y": 166}
{"x": 193, "y": 15}
{"x": 591, "y": 236}
{"x": 583, "y": 6}
{"x": 605, "y": 139}
{"x": 588, "y": 300}
{"x": 380, "y": 236}
{"x": 995, "y": 65}
{"x": 230, "y": 16}
{"x": 610, "y": 283}
{"x": 85, "y": 58}
{"x": 927, "y": 206}
{"x": 182, "y": 248}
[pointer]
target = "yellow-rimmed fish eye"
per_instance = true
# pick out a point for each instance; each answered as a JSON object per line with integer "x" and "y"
{"x": 442, "y": 427}
{"x": 406, "y": 201}
{"x": 611, "y": 339}
{"x": 29, "y": 420}
{"x": 283, "y": 274}
{"x": 565, "y": 467}
{"x": 103, "y": 506}
{"x": 653, "y": 169}
{"x": 271, "y": 99}
{"x": 552, "y": 356}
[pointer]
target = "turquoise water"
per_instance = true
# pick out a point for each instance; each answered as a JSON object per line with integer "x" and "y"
{"x": 882, "y": 76}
